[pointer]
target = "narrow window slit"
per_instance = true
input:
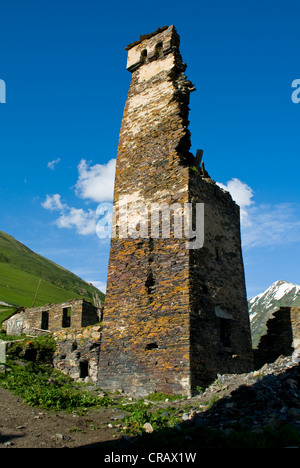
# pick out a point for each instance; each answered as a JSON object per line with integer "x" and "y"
{"x": 66, "y": 318}
{"x": 159, "y": 49}
{"x": 84, "y": 369}
{"x": 45, "y": 320}
{"x": 150, "y": 285}
{"x": 143, "y": 55}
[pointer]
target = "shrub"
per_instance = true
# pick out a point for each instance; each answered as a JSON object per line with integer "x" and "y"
{"x": 40, "y": 349}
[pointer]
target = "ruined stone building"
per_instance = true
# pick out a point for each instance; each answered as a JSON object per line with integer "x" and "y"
{"x": 52, "y": 317}
{"x": 282, "y": 337}
{"x": 73, "y": 327}
{"x": 175, "y": 315}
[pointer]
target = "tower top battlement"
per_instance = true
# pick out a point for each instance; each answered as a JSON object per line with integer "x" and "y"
{"x": 152, "y": 47}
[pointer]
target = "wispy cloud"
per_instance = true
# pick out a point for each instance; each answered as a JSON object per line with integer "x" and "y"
{"x": 83, "y": 221}
{"x": 53, "y": 203}
{"x": 265, "y": 224}
{"x": 101, "y": 285}
{"x": 272, "y": 225}
{"x": 51, "y": 165}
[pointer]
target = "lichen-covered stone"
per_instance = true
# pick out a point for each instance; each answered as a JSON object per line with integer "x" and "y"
{"x": 174, "y": 317}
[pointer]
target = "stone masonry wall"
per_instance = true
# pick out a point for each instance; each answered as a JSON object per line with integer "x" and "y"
{"x": 282, "y": 337}
{"x": 52, "y": 317}
{"x": 165, "y": 304}
{"x": 220, "y": 327}
{"x": 77, "y": 353}
{"x": 146, "y": 321}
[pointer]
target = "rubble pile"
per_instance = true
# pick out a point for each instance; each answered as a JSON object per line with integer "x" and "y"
{"x": 269, "y": 397}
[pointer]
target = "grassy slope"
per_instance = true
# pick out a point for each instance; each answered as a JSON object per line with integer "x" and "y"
{"x": 5, "y": 312}
{"x": 20, "y": 272}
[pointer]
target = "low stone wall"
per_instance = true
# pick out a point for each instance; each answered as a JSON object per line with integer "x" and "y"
{"x": 93, "y": 332}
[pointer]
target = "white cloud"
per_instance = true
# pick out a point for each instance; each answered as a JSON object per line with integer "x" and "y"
{"x": 53, "y": 203}
{"x": 83, "y": 221}
{"x": 263, "y": 225}
{"x": 96, "y": 182}
{"x": 52, "y": 164}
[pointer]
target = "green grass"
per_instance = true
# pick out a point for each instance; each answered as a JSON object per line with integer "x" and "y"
{"x": 158, "y": 396}
{"x": 19, "y": 287}
{"x": 43, "y": 387}
{"x": 21, "y": 270}
{"x": 39, "y": 384}
{"x": 158, "y": 418}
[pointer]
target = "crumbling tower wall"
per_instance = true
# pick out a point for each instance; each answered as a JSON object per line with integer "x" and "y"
{"x": 168, "y": 307}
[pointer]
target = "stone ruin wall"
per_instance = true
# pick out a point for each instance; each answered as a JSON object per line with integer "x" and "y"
{"x": 77, "y": 343}
{"x": 52, "y": 318}
{"x": 220, "y": 330}
{"x": 77, "y": 353}
{"x": 282, "y": 337}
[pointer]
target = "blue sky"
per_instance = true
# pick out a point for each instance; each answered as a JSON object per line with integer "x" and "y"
{"x": 64, "y": 66}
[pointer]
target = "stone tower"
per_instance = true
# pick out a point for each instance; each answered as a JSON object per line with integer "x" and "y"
{"x": 174, "y": 315}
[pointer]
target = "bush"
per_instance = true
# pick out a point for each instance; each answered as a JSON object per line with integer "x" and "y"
{"x": 40, "y": 349}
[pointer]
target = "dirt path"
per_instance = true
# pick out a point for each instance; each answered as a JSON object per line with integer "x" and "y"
{"x": 264, "y": 399}
{"x": 22, "y": 426}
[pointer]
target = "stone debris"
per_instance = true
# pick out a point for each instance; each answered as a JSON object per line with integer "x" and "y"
{"x": 148, "y": 428}
{"x": 62, "y": 437}
{"x": 268, "y": 397}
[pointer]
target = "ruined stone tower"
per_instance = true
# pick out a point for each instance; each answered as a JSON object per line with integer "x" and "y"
{"x": 174, "y": 316}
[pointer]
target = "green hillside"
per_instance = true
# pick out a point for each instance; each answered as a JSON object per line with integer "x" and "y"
{"x": 21, "y": 270}
{"x": 5, "y": 312}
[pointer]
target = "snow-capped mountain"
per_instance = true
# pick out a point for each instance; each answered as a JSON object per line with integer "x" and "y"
{"x": 261, "y": 307}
